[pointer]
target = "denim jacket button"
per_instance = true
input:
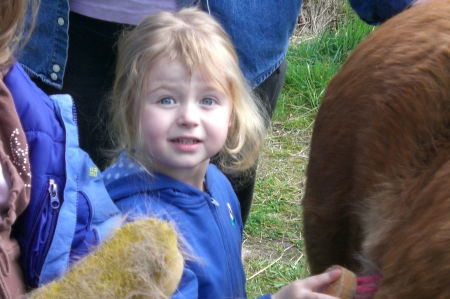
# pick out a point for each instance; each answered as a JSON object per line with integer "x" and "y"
{"x": 60, "y": 21}
{"x": 54, "y": 76}
{"x": 56, "y": 68}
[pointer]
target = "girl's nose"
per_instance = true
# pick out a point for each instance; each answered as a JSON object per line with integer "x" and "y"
{"x": 188, "y": 116}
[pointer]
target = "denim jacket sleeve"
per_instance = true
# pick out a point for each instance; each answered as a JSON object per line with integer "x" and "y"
{"x": 260, "y": 31}
{"x": 45, "y": 53}
{"x": 375, "y": 12}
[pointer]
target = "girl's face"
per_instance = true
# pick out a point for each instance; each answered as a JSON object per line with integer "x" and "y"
{"x": 185, "y": 120}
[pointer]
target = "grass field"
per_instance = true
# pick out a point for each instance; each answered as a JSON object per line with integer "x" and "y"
{"x": 273, "y": 244}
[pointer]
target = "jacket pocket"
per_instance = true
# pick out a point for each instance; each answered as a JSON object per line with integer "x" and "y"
{"x": 44, "y": 220}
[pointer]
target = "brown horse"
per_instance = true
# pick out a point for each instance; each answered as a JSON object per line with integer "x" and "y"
{"x": 377, "y": 196}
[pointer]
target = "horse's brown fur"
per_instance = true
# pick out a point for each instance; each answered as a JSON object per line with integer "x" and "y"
{"x": 377, "y": 196}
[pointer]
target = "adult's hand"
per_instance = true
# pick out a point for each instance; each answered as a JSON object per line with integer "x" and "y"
{"x": 307, "y": 288}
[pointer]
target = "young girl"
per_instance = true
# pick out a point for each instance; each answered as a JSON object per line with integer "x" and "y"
{"x": 180, "y": 100}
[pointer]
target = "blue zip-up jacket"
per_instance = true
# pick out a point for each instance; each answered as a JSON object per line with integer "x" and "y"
{"x": 69, "y": 210}
{"x": 46, "y": 141}
{"x": 210, "y": 223}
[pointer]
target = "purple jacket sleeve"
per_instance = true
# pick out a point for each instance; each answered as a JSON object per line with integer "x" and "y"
{"x": 375, "y": 12}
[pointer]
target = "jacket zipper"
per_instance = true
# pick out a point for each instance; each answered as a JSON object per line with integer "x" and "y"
{"x": 55, "y": 203}
{"x": 225, "y": 241}
{"x": 214, "y": 202}
{"x": 53, "y": 191}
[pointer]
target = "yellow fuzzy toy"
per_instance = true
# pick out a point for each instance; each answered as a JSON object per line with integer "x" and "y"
{"x": 141, "y": 260}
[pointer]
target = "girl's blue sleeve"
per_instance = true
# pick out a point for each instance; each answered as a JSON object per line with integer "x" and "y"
{"x": 375, "y": 12}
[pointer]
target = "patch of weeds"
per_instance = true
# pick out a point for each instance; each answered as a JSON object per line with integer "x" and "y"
{"x": 273, "y": 247}
{"x": 274, "y": 276}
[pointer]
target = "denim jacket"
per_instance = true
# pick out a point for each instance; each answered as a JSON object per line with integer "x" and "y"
{"x": 261, "y": 38}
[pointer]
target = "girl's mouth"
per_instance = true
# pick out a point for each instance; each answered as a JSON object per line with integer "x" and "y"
{"x": 185, "y": 141}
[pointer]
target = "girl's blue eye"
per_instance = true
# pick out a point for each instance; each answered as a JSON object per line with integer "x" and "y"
{"x": 207, "y": 101}
{"x": 167, "y": 101}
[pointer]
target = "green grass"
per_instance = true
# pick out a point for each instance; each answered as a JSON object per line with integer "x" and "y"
{"x": 273, "y": 243}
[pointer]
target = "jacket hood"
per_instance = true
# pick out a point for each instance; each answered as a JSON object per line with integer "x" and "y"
{"x": 126, "y": 178}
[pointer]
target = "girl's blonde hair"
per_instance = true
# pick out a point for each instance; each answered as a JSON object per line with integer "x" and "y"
{"x": 196, "y": 39}
{"x": 12, "y": 23}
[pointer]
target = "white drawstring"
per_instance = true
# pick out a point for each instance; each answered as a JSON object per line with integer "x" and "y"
{"x": 207, "y": 5}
